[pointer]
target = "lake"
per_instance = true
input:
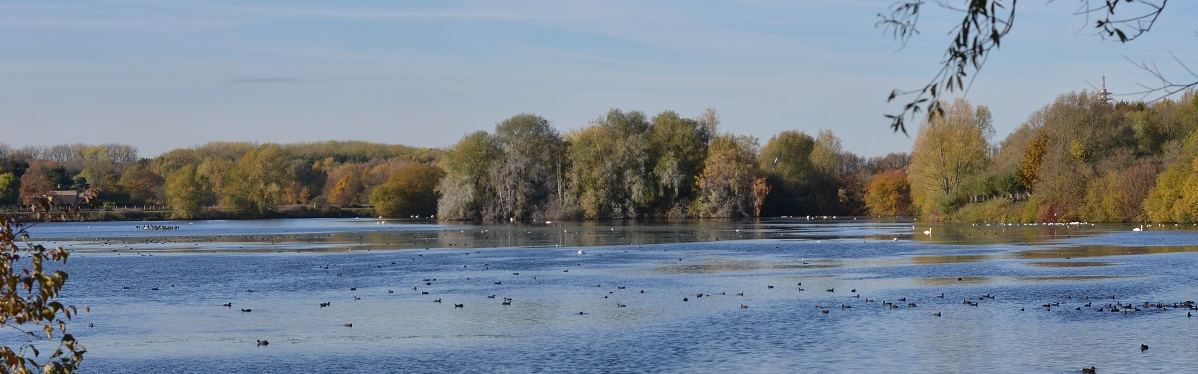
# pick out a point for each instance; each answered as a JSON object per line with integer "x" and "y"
{"x": 771, "y": 295}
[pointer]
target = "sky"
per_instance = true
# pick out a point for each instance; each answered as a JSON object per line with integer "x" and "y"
{"x": 161, "y": 75}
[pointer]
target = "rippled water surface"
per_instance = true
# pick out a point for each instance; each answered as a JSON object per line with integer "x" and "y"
{"x": 784, "y": 295}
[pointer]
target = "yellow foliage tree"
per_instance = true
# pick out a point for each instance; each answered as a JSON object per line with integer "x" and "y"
{"x": 947, "y": 150}
{"x": 889, "y": 194}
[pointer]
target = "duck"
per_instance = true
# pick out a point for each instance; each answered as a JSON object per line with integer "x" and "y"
{"x": 1089, "y": 370}
{"x": 1143, "y": 347}
{"x": 246, "y": 310}
{"x": 262, "y": 342}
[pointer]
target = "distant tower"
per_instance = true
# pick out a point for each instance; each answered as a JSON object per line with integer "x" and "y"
{"x": 1104, "y": 94}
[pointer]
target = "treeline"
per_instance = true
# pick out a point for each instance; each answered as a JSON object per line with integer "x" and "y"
{"x": 626, "y": 165}
{"x": 622, "y": 165}
{"x": 1079, "y": 158}
{"x": 219, "y": 179}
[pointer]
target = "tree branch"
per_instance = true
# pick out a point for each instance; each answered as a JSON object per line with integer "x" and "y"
{"x": 1167, "y": 86}
{"x": 981, "y": 30}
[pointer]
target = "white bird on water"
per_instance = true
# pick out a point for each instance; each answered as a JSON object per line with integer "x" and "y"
{"x": 927, "y": 232}
{"x": 580, "y": 252}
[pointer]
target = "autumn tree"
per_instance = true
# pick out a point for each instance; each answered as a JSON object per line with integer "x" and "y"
{"x": 31, "y": 278}
{"x": 410, "y": 191}
{"x": 345, "y": 185}
{"x": 34, "y": 184}
{"x": 726, "y": 186}
{"x": 254, "y": 185}
{"x": 187, "y": 192}
{"x": 610, "y": 173}
{"x": 947, "y": 150}
{"x": 140, "y": 184}
{"x": 1029, "y": 164}
{"x": 305, "y": 180}
{"x": 889, "y": 194}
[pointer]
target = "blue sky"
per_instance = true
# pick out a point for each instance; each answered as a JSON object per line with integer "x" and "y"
{"x": 161, "y": 75}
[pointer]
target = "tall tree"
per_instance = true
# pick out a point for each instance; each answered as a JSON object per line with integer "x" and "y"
{"x": 526, "y": 178}
{"x": 10, "y": 189}
{"x": 187, "y": 192}
{"x": 466, "y": 190}
{"x": 947, "y": 150}
{"x": 677, "y": 148}
{"x": 786, "y": 164}
{"x": 726, "y": 186}
{"x": 255, "y": 183}
{"x": 825, "y": 154}
{"x": 1029, "y": 165}
{"x": 610, "y": 172}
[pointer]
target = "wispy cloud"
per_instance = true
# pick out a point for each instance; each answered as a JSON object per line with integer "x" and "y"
{"x": 264, "y": 80}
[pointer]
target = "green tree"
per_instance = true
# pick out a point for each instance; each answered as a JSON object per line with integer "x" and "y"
{"x": 465, "y": 189}
{"x": 611, "y": 172}
{"x": 947, "y": 150}
{"x": 10, "y": 189}
{"x": 786, "y": 164}
{"x": 677, "y": 148}
{"x": 188, "y": 192}
{"x": 410, "y": 191}
{"x": 30, "y": 288}
{"x": 825, "y": 154}
{"x": 255, "y": 184}
{"x": 59, "y": 177}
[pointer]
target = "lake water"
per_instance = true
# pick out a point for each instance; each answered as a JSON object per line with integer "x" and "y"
{"x": 782, "y": 295}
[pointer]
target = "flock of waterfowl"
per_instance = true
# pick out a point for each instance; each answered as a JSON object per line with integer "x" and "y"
{"x": 830, "y": 301}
